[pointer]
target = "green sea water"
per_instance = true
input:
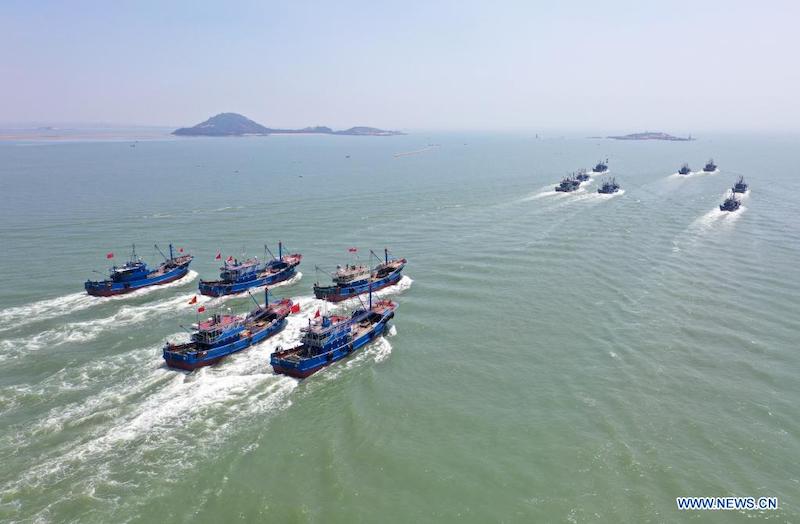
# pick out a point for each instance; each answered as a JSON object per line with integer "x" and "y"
{"x": 554, "y": 358}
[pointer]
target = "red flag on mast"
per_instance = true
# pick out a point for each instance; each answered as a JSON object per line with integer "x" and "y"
{"x": 295, "y": 308}
{"x": 180, "y": 250}
{"x": 353, "y": 250}
{"x": 201, "y": 309}
{"x": 109, "y": 255}
{"x": 316, "y": 315}
{"x": 193, "y": 300}
{"x": 219, "y": 255}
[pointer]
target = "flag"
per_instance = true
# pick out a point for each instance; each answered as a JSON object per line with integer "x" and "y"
{"x": 229, "y": 259}
{"x": 316, "y": 315}
{"x": 295, "y": 308}
{"x": 219, "y": 255}
{"x": 201, "y": 309}
{"x": 109, "y": 255}
{"x": 180, "y": 250}
{"x": 193, "y": 300}
{"x": 353, "y": 250}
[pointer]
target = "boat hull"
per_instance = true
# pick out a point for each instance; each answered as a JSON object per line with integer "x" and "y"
{"x": 307, "y": 367}
{"x": 190, "y": 362}
{"x": 109, "y": 288}
{"x": 218, "y": 289}
{"x": 337, "y": 293}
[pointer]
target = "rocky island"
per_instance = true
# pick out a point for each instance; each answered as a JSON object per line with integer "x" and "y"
{"x": 649, "y": 135}
{"x": 234, "y": 124}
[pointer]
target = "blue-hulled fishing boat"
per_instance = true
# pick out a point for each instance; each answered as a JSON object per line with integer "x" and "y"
{"x": 740, "y": 186}
{"x": 685, "y": 170}
{"x": 601, "y": 167}
{"x": 355, "y": 279}
{"x": 710, "y": 166}
{"x": 582, "y": 176}
{"x": 608, "y": 187}
{"x": 731, "y": 203}
{"x": 331, "y": 338}
{"x": 238, "y": 277}
{"x": 568, "y": 185}
{"x": 135, "y": 274}
{"x": 223, "y": 334}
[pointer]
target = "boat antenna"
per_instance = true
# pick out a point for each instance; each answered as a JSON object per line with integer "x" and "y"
{"x": 162, "y": 253}
{"x": 280, "y": 250}
{"x": 386, "y": 254}
{"x": 266, "y": 290}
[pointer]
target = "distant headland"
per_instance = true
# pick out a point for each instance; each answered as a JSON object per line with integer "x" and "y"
{"x": 649, "y": 135}
{"x": 234, "y": 124}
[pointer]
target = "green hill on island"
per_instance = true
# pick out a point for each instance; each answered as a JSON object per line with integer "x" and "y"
{"x": 234, "y": 124}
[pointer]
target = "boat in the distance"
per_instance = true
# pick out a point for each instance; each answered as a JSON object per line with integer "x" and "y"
{"x": 731, "y": 203}
{"x": 135, "y": 274}
{"x": 238, "y": 277}
{"x": 710, "y": 166}
{"x": 740, "y": 186}
{"x": 601, "y": 167}
{"x": 685, "y": 170}
{"x": 329, "y": 338}
{"x": 351, "y": 280}
{"x": 582, "y": 176}
{"x": 567, "y": 185}
{"x": 224, "y": 334}
{"x": 609, "y": 186}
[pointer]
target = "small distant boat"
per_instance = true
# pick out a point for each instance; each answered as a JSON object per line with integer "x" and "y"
{"x": 740, "y": 186}
{"x": 224, "y": 334}
{"x": 355, "y": 279}
{"x": 609, "y": 186}
{"x": 331, "y": 338}
{"x": 601, "y": 167}
{"x": 238, "y": 277}
{"x": 710, "y": 166}
{"x": 685, "y": 170}
{"x": 567, "y": 185}
{"x": 135, "y": 274}
{"x": 582, "y": 176}
{"x": 731, "y": 203}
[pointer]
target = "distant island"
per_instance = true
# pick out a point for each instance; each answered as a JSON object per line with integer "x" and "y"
{"x": 648, "y": 135}
{"x": 234, "y": 124}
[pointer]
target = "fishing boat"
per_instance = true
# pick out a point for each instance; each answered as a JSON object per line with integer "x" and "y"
{"x": 740, "y": 186}
{"x": 135, "y": 274}
{"x": 582, "y": 176}
{"x": 609, "y": 186}
{"x": 685, "y": 170}
{"x": 567, "y": 185}
{"x": 710, "y": 166}
{"x": 731, "y": 203}
{"x": 224, "y": 334}
{"x": 329, "y": 338}
{"x": 601, "y": 167}
{"x": 355, "y": 279}
{"x": 238, "y": 276}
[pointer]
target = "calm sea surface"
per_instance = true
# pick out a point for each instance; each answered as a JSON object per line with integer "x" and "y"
{"x": 555, "y": 358}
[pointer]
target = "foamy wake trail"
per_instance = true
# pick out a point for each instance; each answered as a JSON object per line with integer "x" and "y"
{"x": 51, "y": 308}
{"x": 716, "y": 216}
{"x": 144, "y": 404}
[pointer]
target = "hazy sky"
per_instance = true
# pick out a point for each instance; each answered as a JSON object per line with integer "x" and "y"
{"x": 607, "y": 65}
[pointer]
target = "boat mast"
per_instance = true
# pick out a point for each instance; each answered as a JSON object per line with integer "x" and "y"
{"x": 280, "y": 250}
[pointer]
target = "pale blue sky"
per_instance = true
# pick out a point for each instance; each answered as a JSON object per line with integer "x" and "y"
{"x": 683, "y": 66}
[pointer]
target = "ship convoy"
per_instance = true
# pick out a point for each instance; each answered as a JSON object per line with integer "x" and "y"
{"x": 326, "y": 339}
{"x": 573, "y": 182}
{"x": 610, "y": 186}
